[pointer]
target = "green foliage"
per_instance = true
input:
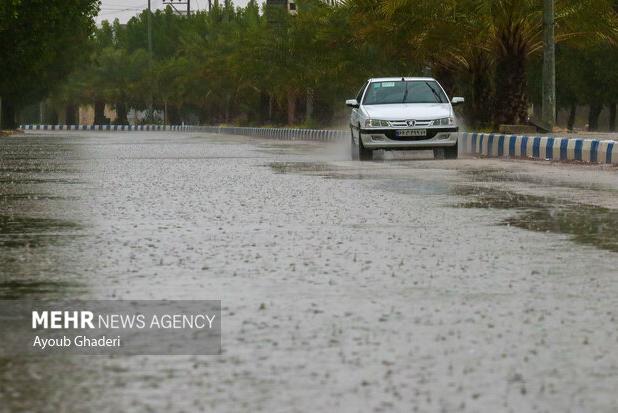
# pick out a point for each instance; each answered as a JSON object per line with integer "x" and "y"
{"x": 486, "y": 45}
{"x": 41, "y": 41}
{"x": 246, "y": 66}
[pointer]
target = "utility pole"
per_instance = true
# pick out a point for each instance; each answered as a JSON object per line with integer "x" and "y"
{"x": 549, "y": 64}
{"x": 150, "y": 56}
{"x": 149, "y": 30}
{"x": 175, "y": 3}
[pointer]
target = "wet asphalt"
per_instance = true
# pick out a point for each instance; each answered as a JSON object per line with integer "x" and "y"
{"x": 404, "y": 284}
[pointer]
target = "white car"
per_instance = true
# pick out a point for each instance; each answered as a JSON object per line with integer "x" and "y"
{"x": 403, "y": 113}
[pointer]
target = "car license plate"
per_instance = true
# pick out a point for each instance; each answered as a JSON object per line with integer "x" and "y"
{"x": 412, "y": 132}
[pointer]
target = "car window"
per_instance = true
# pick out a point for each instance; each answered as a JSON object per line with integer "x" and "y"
{"x": 416, "y": 91}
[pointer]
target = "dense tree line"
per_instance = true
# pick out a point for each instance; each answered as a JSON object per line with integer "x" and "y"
{"x": 229, "y": 65}
{"x": 40, "y": 43}
{"x": 252, "y": 66}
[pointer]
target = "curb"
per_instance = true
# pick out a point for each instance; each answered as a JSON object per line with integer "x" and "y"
{"x": 106, "y": 127}
{"x": 539, "y": 147}
{"x": 481, "y": 144}
{"x": 323, "y": 135}
{"x": 291, "y": 134}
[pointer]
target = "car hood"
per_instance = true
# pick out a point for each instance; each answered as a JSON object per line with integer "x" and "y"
{"x": 405, "y": 111}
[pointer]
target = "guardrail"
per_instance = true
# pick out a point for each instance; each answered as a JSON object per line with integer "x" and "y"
{"x": 479, "y": 144}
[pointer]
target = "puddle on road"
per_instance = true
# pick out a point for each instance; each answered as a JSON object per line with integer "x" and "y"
{"x": 35, "y": 169}
{"x": 388, "y": 180}
{"x": 32, "y": 289}
{"x": 286, "y": 148}
{"x": 280, "y": 152}
{"x": 326, "y": 170}
{"x": 412, "y": 186}
{"x": 501, "y": 175}
{"x": 301, "y": 167}
{"x": 586, "y": 224}
{"x": 494, "y": 198}
{"x": 27, "y": 180}
{"x": 18, "y": 231}
{"x": 32, "y": 197}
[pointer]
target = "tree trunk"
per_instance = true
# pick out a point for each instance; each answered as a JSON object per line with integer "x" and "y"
{"x": 309, "y": 106}
{"x": 291, "y": 107}
{"x": 270, "y": 108}
{"x": 263, "y": 108}
{"x": 612, "y": 117}
{"x": 203, "y": 118}
{"x": 70, "y": 117}
{"x": 99, "y": 113}
{"x": 52, "y": 117}
{"x": 511, "y": 105}
{"x": 593, "y": 116}
{"x": 41, "y": 113}
{"x": 572, "y": 114}
{"x": 479, "y": 111}
{"x": 173, "y": 115}
{"x": 8, "y": 115}
{"x": 228, "y": 98}
{"x": 121, "y": 114}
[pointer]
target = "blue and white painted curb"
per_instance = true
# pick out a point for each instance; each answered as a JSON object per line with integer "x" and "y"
{"x": 539, "y": 147}
{"x": 106, "y": 127}
{"x": 480, "y": 144}
{"x": 323, "y": 135}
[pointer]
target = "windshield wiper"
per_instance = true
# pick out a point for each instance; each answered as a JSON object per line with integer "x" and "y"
{"x": 434, "y": 93}
{"x": 405, "y": 95}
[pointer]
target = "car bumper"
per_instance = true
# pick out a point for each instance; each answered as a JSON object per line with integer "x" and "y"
{"x": 387, "y": 139}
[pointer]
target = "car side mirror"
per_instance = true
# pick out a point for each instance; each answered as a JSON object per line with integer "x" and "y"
{"x": 457, "y": 101}
{"x": 352, "y": 103}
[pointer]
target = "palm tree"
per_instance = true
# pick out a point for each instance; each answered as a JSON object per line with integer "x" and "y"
{"x": 472, "y": 36}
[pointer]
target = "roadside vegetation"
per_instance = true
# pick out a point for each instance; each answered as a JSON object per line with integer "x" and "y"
{"x": 41, "y": 41}
{"x": 249, "y": 66}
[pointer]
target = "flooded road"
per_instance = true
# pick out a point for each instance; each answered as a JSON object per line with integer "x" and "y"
{"x": 394, "y": 285}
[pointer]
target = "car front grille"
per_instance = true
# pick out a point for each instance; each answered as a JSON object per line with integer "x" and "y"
{"x": 404, "y": 123}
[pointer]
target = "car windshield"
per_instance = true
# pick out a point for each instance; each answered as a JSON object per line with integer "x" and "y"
{"x": 415, "y": 91}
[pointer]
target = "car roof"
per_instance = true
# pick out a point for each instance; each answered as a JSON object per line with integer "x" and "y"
{"x": 391, "y": 79}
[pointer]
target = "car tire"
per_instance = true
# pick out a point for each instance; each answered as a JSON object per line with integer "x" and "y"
{"x": 353, "y": 146}
{"x": 451, "y": 152}
{"x": 364, "y": 154}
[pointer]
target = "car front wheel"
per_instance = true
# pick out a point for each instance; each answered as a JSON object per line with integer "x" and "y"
{"x": 451, "y": 152}
{"x": 353, "y": 146}
{"x": 364, "y": 154}
{"x": 445, "y": 153}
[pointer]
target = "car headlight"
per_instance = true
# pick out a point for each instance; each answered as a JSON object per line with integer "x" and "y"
{"x": 443, "y": 122}
{"x": 376, "y": 123}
